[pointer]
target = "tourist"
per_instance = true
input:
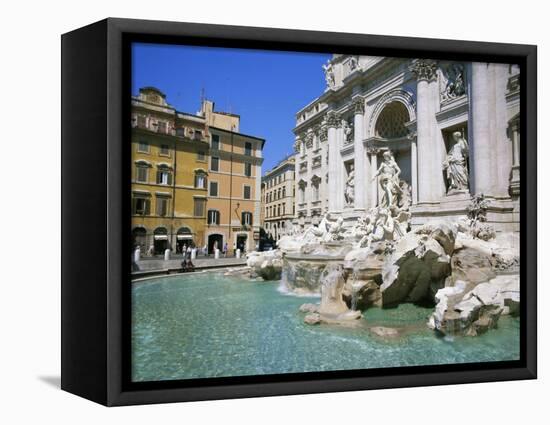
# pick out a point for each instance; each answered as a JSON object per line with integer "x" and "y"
{"x": 189, "y": 266}
{"x": 184, "y": 266}
{"x": 188, "y": 252}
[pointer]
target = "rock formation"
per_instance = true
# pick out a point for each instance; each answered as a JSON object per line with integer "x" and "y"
{"x": 419, "y": 265}
{"x": 465, "y": 311}
{"x": 267, "y": 264}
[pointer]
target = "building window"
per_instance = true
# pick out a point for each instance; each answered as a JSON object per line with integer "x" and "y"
{"x": 247, "y": 169}
{"x": 198, "y": 135}
{"x": 213, "y": 189}
{"x": 200, "y": 181}
{"x": 284, "y": 210}
{"x": 143, "y": 147}
{"x": 198, "y": 207}
{"x": 164, "y": 150}
{"x": 180, "y": 132}
{"x": 246, "y": 194}
{"x": 246, "y": 218}
{"x": 162, "y": 127}
{"x": 279, "y": 194}
{"x": 141, "y": 174}
{"x": 201, "y": 156}
{"x": 316, "y": 192}
{"x": 284, "y": 192}
{"x": 214, "y": 163}
{"x": 162, "y": 207}
{"x": 302, "y": 194}
{"x": 213, "y": 217}
{"x": 215, "y": 142}
{"x": 248, "y": 148}
{"x": 278, "y": 209}
{"x": 141, "y": 206}
{"x": 164, "y": 176}
{"x": 141, "y": 121}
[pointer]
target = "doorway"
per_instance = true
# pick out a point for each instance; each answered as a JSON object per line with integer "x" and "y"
{"x": 215, "y": 241}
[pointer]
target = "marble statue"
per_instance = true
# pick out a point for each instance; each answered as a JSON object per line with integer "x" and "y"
{"x": 353, "y": 63}
{"x": 389, "y": 180}
{"x": 455, "y": 166}
{"x": 317, "y": 232}
{"x": 335, "y": 231}
{"x": 349, "y": 191}
{"x": 329, "y": 75}
{"x": 348, "y": 131}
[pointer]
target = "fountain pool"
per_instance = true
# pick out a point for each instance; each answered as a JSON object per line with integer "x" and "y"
{"x": 210, "y": 325}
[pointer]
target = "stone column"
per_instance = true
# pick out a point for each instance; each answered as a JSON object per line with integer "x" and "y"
{"x": 504, "y": 154}
{"x": 480, "y": 146}
{"x": 333, "y": 122}
{"x": 373, "y": 152}
{"x": 429, "y": 166}
{"x": 360, "y": 154}
{"x": 341, "y": 171}
{"x": 414, "y": 168}
{"x": 323, "y": 189}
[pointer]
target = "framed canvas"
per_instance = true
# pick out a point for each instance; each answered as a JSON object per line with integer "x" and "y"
{"x": 253, "y": 212}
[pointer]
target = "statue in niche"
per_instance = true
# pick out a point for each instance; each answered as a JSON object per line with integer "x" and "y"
{"x": 455, "y": 166}
{"x": 348, "y": 131}
{"x": 389, "y": 180}
{"x": 349, "y": 191}
{"x": 329, "y": 75}
{"x": 455, "y": 86}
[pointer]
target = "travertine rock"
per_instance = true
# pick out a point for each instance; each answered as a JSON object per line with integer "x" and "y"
{"x": 465, "y": 311}
{"x": 384, "y": 332}
{"x": 417, "y": 268}
{"x": 267, "y": 264}
{"x": 312, "y": 319}
{"x": 309, "y": 308}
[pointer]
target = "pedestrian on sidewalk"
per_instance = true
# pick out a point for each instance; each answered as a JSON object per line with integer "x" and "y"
{"x": 225, "y": 250}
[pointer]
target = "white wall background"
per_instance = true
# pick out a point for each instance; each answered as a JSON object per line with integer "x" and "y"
{"x": 30, "y": 211}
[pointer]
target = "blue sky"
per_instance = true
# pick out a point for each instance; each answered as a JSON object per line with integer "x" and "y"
{"x": 266, "y": 88}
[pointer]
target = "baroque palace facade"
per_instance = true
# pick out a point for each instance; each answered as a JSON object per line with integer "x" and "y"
{"x": 452, "y": 128}
{"x": 195, "y": 178}
{"x": 278, "y": 199}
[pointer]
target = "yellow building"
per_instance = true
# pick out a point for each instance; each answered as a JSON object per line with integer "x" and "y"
{"x": 234, "y": 179}
{"x": 169, "y": 175}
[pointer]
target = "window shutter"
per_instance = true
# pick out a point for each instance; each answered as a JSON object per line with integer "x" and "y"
{"x": 170, "y": 179}
{"x": 147, "y": 207}
{"x": 243, "y": 218}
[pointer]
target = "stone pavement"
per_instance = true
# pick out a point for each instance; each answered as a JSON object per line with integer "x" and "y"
{"x": 157, "y": 263}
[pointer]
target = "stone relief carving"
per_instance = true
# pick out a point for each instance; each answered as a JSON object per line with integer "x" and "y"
{"x": 309, "y": 138}
{"x": 424, "y": 69}
{"x": 455, "y": 165}
{"x": 323, "y": 133}
{"x": 453, "y": 82}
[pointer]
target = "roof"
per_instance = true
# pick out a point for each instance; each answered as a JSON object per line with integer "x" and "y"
{"x": 239, "y": 134}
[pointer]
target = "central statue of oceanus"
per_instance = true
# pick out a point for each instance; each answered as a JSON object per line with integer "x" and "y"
{"x": 388, "y": 174}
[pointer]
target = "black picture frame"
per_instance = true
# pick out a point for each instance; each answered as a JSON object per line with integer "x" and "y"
{"x": 96, "y": 185}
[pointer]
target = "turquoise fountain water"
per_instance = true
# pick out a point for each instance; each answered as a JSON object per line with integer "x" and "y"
{"x": 210, "y": 325}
